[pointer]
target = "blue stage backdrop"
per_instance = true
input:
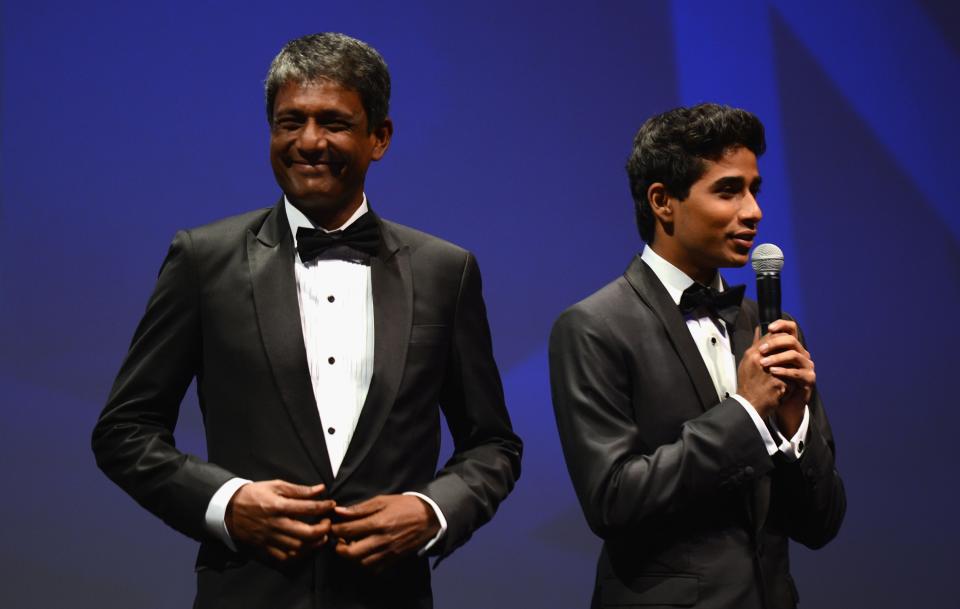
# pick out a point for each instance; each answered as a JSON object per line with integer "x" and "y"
{"x": 123, "y": 122}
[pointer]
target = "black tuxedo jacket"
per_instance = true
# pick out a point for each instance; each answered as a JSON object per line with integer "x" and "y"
{"x": 675, "y": 479}
{"x": 225, "y": 311}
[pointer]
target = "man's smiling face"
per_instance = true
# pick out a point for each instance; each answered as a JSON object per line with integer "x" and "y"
{"x": 715, "y": 226}
{"x": 321, "y": 146}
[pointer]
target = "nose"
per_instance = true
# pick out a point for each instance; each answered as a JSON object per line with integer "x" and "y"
{"x": 750, "y": 212}
{"x": 312, "y": 141}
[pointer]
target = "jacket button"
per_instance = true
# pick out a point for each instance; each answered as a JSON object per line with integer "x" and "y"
{"x": 748, "y": 470}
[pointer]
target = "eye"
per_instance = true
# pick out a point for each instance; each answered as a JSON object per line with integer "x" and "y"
{"x": 337, "y": 126}
{"x": 287, "y": 123}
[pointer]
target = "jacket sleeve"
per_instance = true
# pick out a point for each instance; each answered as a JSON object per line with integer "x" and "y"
{"x": 809, "y": 491}
{"x": 133, "y": 438}
{"x": 623, "y": 485}
{"x": 486, "y": 459}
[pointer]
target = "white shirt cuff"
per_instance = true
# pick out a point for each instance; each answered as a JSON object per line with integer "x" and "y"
{"x": 793, "y": 448}
{"x": 215, "y": 518}
{"x": 440, "y": 518}
{"x": 765, "y": 434}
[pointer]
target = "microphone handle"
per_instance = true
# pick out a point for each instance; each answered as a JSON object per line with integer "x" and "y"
{"x": 768, "y": 299}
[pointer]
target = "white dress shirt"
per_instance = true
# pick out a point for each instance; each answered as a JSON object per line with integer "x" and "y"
{"x": 713, "y": 341}
{"x": 336, "y": 316}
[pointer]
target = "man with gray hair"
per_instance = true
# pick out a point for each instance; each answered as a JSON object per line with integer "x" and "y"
{"x": 322, "y": 338}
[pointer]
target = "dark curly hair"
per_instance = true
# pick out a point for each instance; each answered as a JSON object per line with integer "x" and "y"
{"x": 671, "y": 148}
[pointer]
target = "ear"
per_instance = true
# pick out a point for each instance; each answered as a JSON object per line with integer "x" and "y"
{"x": 661, "y": 203}
{"x": 381, "y": 139}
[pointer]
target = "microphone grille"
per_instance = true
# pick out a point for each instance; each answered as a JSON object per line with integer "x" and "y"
{"x": 767, "y": 258}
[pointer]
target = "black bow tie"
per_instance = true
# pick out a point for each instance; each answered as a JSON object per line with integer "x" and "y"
{"x": 724, "y": 305}
{"x": 362, "y": 236}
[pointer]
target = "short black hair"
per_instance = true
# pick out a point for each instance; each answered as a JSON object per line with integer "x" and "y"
{"x": 670, "y": 148}
{"x": 339, "y": 58}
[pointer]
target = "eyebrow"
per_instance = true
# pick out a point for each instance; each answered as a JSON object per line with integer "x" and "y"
{"x": 733, "y": 183}
{"x": 323, "y": 116}
{"x": 727, "y": 183}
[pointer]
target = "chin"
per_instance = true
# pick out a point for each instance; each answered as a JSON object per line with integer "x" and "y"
{"x": 735, "y": 261}
{"x": 312, "y": 194}
{"x": 311, "y": 200}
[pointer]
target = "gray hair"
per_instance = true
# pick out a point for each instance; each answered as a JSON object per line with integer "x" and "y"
{"x": 339, "y": 58}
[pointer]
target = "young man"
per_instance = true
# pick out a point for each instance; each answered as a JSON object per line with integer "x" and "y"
{"x": 697, "y": 448}
{"x": 322, "y": 338}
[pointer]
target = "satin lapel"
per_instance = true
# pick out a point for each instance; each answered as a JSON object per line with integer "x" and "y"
{"x": 270, "y": 254}
{"x": 392, "y": 283}
{"x": 646, "y": 284}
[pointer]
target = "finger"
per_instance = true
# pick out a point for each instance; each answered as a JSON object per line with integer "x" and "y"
{"x": 298, "y": 491}
{"x": 358, "y": 550}
{"x": 804, "y": 376}
{"x": 306, "y": 507}
{"x": 777, "y": 341}
{"x": 362, "y": 509}
{"x": 783, "y": 326}
{"x": 302, "y": 530}
{"x": 772, "y": 343}
{"x": 276, "y": 553}
{"x": 283, "y": 542}
{"x": 377, "y": 560}
{"x": 356, "y": 529}
{"x": 787, "y": 359}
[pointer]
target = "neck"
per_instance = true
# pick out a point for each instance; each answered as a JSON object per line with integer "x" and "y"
{"x": 674, "y": 255}
{"x": 328, "y": 216}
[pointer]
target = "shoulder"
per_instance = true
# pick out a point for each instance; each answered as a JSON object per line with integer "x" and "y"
{"x": 608, "y": 308}
{"x": 229, "y": 229}
{"x": 422, "y": 243}
{"x": 428, "y": 253}
{"x": 218, "y": 244}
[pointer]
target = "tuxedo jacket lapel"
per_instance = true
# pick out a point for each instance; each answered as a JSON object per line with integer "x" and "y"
{"x": 270, "y": 255}
{"x": 392, "y": 283}
{"x": 648, "y": 287}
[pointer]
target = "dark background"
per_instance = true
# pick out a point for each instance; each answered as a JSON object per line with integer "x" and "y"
{"x": 123, "y": 122}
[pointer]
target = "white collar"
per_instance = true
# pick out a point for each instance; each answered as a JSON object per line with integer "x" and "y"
{"x": 672, "y": 278}
{"x": 298, "y": 219}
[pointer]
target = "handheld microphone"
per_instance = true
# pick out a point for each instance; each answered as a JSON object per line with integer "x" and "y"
{"x": 767, "y": 260}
